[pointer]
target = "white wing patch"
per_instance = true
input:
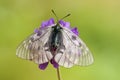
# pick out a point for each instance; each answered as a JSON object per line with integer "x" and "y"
{"x": 34, "y": 47}
{"x": 75, "y": 52}
{"x": 61, "y": 58}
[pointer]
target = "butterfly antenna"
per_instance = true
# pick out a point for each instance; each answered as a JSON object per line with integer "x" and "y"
{"x": 55, "y": 14}
{"x": 65, "y": 16}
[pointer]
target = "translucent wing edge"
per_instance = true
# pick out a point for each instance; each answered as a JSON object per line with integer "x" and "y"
{"x": 38, "y": 57}
{"x": 85, "y": 58}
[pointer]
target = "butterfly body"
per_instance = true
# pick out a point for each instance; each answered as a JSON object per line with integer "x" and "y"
{"x": 55, "y": 39}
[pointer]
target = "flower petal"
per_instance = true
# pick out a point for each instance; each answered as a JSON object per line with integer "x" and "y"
{"x": 44, "y": 24}
{"x": 50, "y": 22}
{"x": 47, "y": 23}
{"x": 43, "y": 66}
{"x": 67, "y": 24}
{"x": 75, "y": 31}
{"x": 54, "y": 63}
{"x": 64, "y": 24}
{"x": 36, "y": 31}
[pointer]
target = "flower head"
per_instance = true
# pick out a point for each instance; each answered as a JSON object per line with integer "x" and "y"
{"x": 67, "y": 25}
{"x": 75, "y": 31}
{"x": 48, "y": 23}
{"x": 64, "y": 24}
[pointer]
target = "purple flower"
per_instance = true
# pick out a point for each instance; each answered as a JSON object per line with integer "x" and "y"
{"x": 37, "y": 31}
{"x": 64, "y": 24}
{"x": 54, "y": 63}
{"x": 44, "y": 65}
{"x": 47, "y": 23}
{"x": 75, "y": 31}
{"x": 67, "y": 25}
{"x": 51, "y": 22}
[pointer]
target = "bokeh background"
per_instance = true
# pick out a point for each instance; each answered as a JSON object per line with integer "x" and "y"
{"x": 98, "y": 22}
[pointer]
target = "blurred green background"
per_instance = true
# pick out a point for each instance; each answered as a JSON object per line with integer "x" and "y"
{"x": 99, "y": 26}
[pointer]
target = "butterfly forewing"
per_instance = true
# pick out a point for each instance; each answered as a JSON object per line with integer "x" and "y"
{"x": 34, "y": 47}
{"x": 75, "y": 49}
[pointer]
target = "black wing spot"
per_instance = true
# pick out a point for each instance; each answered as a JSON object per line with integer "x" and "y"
{"x": 32, "y": 39}
{"x": 80, "y": 44}
{"x": 38, "y": 47}
{"x": 73, "y": 37}
{"x": 39, "y": 33}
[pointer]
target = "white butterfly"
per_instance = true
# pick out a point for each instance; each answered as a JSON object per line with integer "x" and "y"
{"x": 69, "y": 48}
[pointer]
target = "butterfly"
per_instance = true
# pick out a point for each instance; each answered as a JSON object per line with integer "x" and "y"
{"x": 55, "y": 41}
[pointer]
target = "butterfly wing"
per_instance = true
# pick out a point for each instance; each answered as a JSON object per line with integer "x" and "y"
{"x": 75, "y": 51}
{"x": 61, "y": 57}
{"x": 35, "y": 47}
{"x": 78, "y": 52}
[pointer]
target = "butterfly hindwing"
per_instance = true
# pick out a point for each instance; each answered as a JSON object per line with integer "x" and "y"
{"x": 61, "y": 57}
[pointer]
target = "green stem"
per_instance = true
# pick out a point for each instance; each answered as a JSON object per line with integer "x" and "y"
{"x": 58, "y": 74}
